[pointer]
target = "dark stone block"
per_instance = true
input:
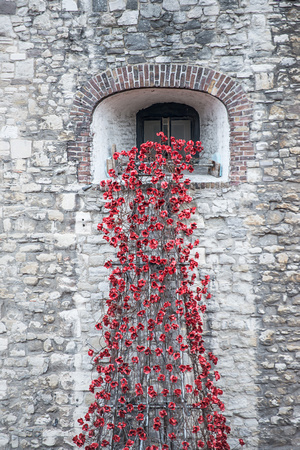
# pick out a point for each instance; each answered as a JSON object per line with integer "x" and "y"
{"x": 7, "y": 8}
{"x": 115, "y": 51}
{"x": 16, "y": 81}
{"x": 136, "y": 59}
{"x": 35, "y": 346}
{"x": 136, "y": 41}
{"x": 189, "y": 52}
{"x": 274, "y": 95}
{"x": 33, "y": 53}
{"x": 169, "y": 30}
{"x": 158, "y": 24}
{"x": 99, "y": 5}
{"x": 193, "y": 25}
{"x": 132, "y": 4}
{"x": 228, "y": 4}
{"x": 46, "y": 135}
{"x": 143, "y": 25}
{"x": 205, "y": 53}
{"x": 204, "y": 37}
{"x": 167, "y": 17}
{"x": 225, "y": 21}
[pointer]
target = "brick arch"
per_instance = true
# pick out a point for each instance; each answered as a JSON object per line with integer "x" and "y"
{"x": 177, "y": 76}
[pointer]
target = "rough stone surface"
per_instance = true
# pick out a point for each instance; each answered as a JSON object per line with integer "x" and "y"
{"x": 52, "y": 278}
{"x": 7, "y": 7}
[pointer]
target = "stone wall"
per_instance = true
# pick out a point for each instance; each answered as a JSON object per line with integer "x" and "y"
{"x": 51, "y": 258}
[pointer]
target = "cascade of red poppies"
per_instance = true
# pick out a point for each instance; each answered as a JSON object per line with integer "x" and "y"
{"x": 154, "y": 388}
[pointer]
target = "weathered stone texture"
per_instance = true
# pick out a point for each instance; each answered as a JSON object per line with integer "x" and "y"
{"x": 52, "y": 278}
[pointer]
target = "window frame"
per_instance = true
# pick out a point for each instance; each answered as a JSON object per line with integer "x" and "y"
{"x": 169, "y": 110}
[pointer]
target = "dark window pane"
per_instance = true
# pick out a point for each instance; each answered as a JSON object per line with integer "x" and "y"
{"x": 151, "y": 127}
{"x": 181, "y": 129}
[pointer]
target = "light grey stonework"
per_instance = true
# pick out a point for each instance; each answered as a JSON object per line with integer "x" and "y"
{"x": 52, "y": 278}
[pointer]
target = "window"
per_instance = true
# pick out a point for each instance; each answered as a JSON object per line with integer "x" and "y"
{"x": 173, "y": 119}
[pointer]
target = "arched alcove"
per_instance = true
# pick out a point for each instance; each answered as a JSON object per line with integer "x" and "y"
{"x": 114, "y": 123}
{"x": 112, "y": 99}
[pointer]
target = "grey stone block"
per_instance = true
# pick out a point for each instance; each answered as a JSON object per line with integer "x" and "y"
{"x": 132, "y": 4}
{"x": 204, "y": 37}
{"x": 228, "y": 4}
{"x": 136, "y": 41}
{"x": 99, "y": 5}
{"x": 193, "y": 25}
{"x": 7, "y": 8}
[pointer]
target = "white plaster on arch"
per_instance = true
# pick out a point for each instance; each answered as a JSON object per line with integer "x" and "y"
{"x": 114, "y": 122}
